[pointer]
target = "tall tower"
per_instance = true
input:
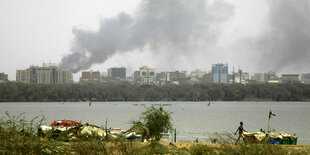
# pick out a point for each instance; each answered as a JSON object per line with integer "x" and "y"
{"x": 220, "y": 73}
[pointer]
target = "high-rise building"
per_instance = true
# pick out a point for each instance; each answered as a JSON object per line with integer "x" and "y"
{"x": 48, "y": 73}
{"x": 65, "y": 76}
{"x": 90, "y": 77}
{"x": 23, "y": 76}
{"x": 117, "y": 72}
{"x": 3, "y": 78}
{"x": 220, "y": 73}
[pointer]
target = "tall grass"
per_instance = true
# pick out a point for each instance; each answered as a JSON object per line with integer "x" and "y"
{"x": 223, "y": 138}
{"x": 18, "y": 136}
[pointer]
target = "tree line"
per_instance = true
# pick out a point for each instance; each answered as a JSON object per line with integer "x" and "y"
{"x": 20, "y": 92}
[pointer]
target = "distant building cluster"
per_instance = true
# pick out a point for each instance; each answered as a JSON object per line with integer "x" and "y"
{"x": 219, "y": 73}
{"x": 47, "y": 73}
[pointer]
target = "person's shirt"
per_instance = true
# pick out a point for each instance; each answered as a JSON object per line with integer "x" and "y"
{"x": 240, "y": 130}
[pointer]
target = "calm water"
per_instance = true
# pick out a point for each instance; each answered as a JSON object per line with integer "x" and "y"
{"x": 191, "y": 119}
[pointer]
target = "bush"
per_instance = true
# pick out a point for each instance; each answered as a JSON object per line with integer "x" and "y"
{"x": 158, "y": 121}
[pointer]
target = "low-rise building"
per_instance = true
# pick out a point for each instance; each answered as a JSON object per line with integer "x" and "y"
{"x": 198, "y": 74}
{"x": 145, "y": 75}
{"x": 161, "y": 78}
{"x": 239, "y": 77}
{"x": 90, "y": 77}
{"x": 267, "y": 77}
{"x": 136, "y": 77}
{"x": 290, "y": 78}
{"x": 176, "y": 77}
{"x": 259, "y": 78}
{"x": 274, "y": 79}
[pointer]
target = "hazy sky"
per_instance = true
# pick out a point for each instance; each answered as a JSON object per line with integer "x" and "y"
{"x": 255, "y": 35}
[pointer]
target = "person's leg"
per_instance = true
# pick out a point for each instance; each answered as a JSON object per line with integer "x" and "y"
{"x": 238, "y": 139}
{"x": 243, "y": 139}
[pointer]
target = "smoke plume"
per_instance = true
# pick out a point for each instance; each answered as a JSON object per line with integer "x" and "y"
{"x": 285, "y": 42}
{"x": 164, "y": 26}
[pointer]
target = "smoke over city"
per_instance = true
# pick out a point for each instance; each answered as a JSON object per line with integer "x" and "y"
{"x": 284, "y": 44}
{"x": 166, "y": 27}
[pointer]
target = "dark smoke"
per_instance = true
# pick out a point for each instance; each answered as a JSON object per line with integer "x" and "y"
{"x": 165, "y": 26}
{"x": 285, "y": 43}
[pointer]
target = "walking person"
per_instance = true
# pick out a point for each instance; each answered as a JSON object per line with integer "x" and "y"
{"x": 240, "y": 129}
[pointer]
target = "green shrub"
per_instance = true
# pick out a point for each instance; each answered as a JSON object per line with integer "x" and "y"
{"x": 158, "y": 121}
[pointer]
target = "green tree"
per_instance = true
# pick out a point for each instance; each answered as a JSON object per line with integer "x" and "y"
{"x": 157, "y": 121}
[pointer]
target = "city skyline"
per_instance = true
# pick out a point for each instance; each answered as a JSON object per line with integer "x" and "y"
{"x": 120, "y": 72}
{"x": 255, "y": 35}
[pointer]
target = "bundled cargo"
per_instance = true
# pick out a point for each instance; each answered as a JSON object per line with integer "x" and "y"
{"x": 282, "y": 138}
{"x": 273, "y": 138}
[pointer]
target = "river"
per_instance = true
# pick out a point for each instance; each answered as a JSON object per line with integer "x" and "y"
{"x": 192, "y": 120}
